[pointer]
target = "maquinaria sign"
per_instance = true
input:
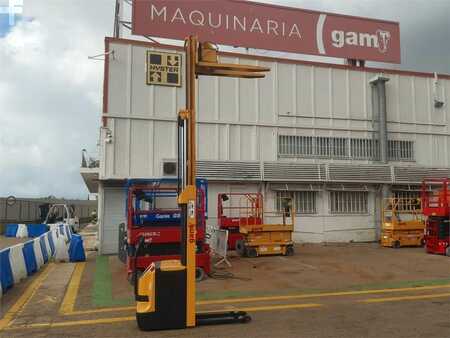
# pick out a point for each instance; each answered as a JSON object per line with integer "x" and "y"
{"x": 262, "y": 26}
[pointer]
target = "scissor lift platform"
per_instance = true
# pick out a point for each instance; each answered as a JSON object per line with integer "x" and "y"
{"x": 256, "y": 237}
{"x": 403, "y": 223}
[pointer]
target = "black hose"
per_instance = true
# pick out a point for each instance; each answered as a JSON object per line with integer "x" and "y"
{"x": 140, "y": 243}
{"x": 224, "y": 275}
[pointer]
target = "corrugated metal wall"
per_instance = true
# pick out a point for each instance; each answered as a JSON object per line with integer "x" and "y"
{"x": 239, "y": 119}
{"x": 320, "y": 227}
{"x": 27, "y": 210}
{"x": 112, "y": 206}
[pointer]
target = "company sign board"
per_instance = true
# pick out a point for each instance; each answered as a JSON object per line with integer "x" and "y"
{"x": 262, "y": 26}
{"x": 163, "y": 69}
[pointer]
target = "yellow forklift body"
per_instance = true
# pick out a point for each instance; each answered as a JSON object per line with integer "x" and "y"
{"x": 188, "y": 197}
{"x": 165, "y": 293}
{"x": 146, "y": 284}
{"x": 146, "y": 287}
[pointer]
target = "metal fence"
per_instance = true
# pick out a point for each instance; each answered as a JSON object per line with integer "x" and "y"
{"x": 26, "y": 210}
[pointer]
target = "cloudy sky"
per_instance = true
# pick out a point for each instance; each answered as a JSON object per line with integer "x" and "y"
{"x": 50, "y": 93}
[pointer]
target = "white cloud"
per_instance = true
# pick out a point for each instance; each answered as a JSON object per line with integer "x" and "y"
{"x": 50, "y": 96}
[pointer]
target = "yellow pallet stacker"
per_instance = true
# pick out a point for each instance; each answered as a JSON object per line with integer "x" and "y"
{"x": 402, "y": 222}
{"x": 165, "y": 293}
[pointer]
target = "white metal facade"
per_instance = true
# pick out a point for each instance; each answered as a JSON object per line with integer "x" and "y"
{"x": 239, "y": 121}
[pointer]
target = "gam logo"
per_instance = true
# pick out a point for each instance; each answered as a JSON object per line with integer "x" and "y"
{"x": 379, "y": 40}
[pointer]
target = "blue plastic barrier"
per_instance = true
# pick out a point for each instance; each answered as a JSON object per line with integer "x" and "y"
{"x": 76, "y": 249}
{"x": 25, "y": 259}
{"x": 6, "y": 275}
{"x": 36, "y": 230}
{"x": 30, "y": 258}
{"x": 11, "y": 230}
{"x": 44, "y": 249}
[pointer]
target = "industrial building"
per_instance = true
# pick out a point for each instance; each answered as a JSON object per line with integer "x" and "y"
{"x": 336, "y": 137}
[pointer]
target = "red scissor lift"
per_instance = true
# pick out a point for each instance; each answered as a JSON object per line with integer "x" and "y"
{"x": 436, "y": 206}
{"x": 153, "y": 213}
{"x": 233, "y": 215}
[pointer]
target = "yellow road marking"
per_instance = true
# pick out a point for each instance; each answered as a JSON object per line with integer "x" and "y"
{"x": 74, "y": 323}
{"x": 100, "y": 310}
{"x": 268, "y": 308}
{"x": 274, "y": 298}
{"x": 319, "y": 295}
{"x": 68, "y": 304}
{"x": 402, "y": 298}
{"x": 131, "y": 318}
{"x": 25, "y": 298}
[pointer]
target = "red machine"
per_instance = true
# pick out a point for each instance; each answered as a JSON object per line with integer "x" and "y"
{"x": 435, "y": 205}
{"x": 153, "y": 213}
{"x": 231, "y": 213}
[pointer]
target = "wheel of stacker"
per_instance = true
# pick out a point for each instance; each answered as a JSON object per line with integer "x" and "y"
{"x": 251, "y": 252}
{"x": 289, "y": 250}
{"x": 240, "y": 247}
{"x": 199, "y": 274}
{"x": 396, "y": 245}
{"x": 246, "y": 319}
{"x": 447, "y": 251}
{"x": 423, "y": 242}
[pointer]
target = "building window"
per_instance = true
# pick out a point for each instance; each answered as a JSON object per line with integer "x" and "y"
{"x": 407, "y": 194}
{"x": 342, "y": 148}
{"x": 363, "y": 149}
{"x": 310, "y": 146}
{"x": 305, "y": 201}
{"x": 348, "y": 202}
{"x": 295, "y": 146}
{"x": 408, "y": 200}
{"x": 400, "y": 150}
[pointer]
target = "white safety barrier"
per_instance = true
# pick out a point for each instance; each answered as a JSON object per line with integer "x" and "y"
{"x": 24, "y": 259}
{"x": 22, "y": 231}
{"x": 17, "y": 260}
{"x": 47, "y": 246}
{"x": 62, "y": 252}
{"x": 38, "y": 253}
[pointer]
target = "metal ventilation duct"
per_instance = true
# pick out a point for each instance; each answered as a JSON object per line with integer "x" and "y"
{"x": 416, "y": 175}
{"x": 362, "y": 173}
{"x": 276, "y": 171}
{"x": 379, "y": 110}
{"x": 228, "y": 170}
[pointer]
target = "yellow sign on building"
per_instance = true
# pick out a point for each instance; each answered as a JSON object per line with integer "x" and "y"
{"x": 163, "y": 69}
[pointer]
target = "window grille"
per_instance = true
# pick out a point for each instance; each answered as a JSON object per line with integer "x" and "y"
{"x": 364, "y": 149}
{"x": 400, "y": 150}
{"x": 407, "y": 194}
{"x": 342, "y": 148}
{"x": 348, "y": 202}
{"x": 295, "y": 145}
{"x": 305, "y": 201}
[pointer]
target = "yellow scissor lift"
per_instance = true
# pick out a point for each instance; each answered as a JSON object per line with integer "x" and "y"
{"x": 261, "y": 237}
{"x": 402, "y": 223}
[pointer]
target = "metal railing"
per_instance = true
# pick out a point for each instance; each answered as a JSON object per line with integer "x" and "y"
{"x": 88, "y": 161}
